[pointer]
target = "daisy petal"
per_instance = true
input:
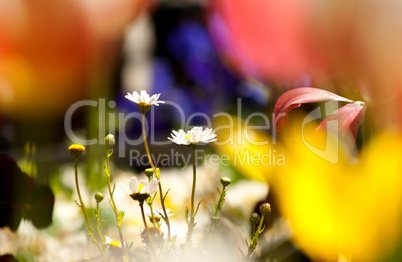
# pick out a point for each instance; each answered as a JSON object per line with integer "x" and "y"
{"x": 133, "y": 182}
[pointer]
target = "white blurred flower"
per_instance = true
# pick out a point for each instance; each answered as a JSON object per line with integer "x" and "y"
{"x": 140, "y": 189}
{"x": 144, "y": 99}
{"x": 194, "y": 136}
{"x": 179, "y": 137}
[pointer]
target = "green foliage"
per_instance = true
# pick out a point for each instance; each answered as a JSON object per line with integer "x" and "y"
{"x": 120, "y": 218}
{"x": 27, "y": 163}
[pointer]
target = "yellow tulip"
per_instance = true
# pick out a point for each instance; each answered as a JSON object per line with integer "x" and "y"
{"x": 352, "y": 208}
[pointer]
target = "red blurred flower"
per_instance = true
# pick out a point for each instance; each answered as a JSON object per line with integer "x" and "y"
{"x": 273, "y": 35}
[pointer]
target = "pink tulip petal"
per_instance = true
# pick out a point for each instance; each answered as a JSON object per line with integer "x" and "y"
{"x": 295, "y": 97}
{"x": 349, "y": 118}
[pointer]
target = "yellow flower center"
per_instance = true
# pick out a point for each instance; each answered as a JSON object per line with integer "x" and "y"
{"x": 76, "y": 150}
{"x": 114, "y": 243}
{"x": 76, "y": 147}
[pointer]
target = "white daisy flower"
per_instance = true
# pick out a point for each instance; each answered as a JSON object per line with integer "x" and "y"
{"x": 179, "y": 137}
{"x": 140, "y": 189}
{"x": 195, "y": 136}
{"x": 143, "y": 100}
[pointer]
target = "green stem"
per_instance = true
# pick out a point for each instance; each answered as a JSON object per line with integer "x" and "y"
{"x": 152, "y": 215}
{"x": 146, "y": 144}
{"x": 99, "y": 231}
{"x": 98, "y": 223}
{"x": 113, "y": 203}
{"x": 82, "y": 205}
{"x": 220, "y": 201}
{"x": 147, "y": 230}
{"x": 164, "y": 209}
{"x": 194, "y": 181}
{"x": 191, "y": 224}
{"x": 153, "y": 167}
{"x": 254, "y": 239}
{"x": 253, "y": 230}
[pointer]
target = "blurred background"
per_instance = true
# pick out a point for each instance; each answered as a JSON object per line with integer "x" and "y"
{"x": 204, "y": 56}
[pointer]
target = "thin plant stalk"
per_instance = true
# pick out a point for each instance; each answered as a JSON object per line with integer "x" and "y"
{"x": 153, "y": 167}
{"x": 82, "y": 205}
{"x": 147, "y": 230}
{"x": 152, "y": 214}
{"x": 99, "y": 230}
{"x": 192, "y": 209}
{"x": 98, "y": 222}
{"x": 218, "y": 207}
{"x": 112, "y": 199}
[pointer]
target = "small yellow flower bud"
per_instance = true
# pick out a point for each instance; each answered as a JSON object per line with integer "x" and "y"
{"x": 99, "y": 197}
{"x": 109, "y": 140}
{"x": 255, "y": 219}
{"x": 76, "y": 150}
{"x": 225, "y": 181}
{"x": 265, "y": 209}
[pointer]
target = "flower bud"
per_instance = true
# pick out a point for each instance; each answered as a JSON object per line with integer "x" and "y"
{"x": 149, "y": 172}
{"x": 109, "y": 140}
{"x": 99, "y": 197}
{"x": 255, "y": 218}
{"x": 265, "y": 209}
{"x": 76, "y": 150}
{"x": 225, "y": 181}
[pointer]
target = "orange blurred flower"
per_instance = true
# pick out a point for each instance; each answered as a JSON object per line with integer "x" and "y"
{"x": 50, "y": 50}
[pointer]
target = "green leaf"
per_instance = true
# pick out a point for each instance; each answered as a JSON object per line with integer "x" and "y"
{"x": 262, "y": 229}
{"x": 164, "y": 197}
{"x": 76, "y": 201}
{"x": 198, "y": 207}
